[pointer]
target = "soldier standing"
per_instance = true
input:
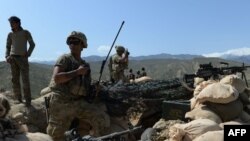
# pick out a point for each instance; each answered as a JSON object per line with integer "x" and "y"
{"x": 138, "y": 74}
{"x": 17, "y": 56}
{"x": 143, "y": 72}
{"x": 70, "y": 85}
{"x": 118, "y": 63}
{"x": 131, "y": 75}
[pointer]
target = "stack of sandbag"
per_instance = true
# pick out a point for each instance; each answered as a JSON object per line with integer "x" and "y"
{"x": 221, "y": 101}
{"x": 240, "y": 85}
{"x": 224, "y": 102}
{"x": 214, "y": 104}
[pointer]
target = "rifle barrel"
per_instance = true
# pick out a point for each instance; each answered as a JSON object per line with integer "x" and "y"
{"x": 118, "y": 133}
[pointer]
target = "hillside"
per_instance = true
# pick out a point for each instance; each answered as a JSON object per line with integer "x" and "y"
{"x": 165, "y": 68}
{"x": 40, "y": 74}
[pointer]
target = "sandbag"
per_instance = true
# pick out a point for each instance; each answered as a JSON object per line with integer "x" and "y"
{"x": 201, "y": 86}
{"x": 45, "y": 91}
{"x": 247, "y": 109}
{"x": 227, "y": 111}
{"x": 203, "y": 112}
{"x": 162, "y": 128}
{"x": 38, "y": 137}
{"x": 198, "y": 80}
{"x": 218, "y": 93}
{"x": 191, "y": 130}
{"x": 245, "y": 117}
{"x": 235, "y": 81}
{"x": 244, "y": 97}
{"x": 194, "y": 103}
{"x": 176, "y": 134}
{"x": 141, "y": 79}
{"x": 211, "y": 136}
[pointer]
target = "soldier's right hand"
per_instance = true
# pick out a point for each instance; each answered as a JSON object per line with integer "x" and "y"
{"x": 8, "y": 59}
{"x": 81, "y": 70}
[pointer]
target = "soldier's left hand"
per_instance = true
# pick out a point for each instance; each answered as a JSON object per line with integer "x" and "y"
{"x": 81, "y": 70}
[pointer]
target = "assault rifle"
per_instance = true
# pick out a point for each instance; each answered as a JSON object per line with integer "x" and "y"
{"x": 236, "y": 69}
{"x": 73, "y": 135}
{"x": 207, "y": 71}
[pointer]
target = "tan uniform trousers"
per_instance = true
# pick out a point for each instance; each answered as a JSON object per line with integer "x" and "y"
{"x": 119, "y": 75}
{"x": 63, "y": 111}
{"x": 20, "y": 67}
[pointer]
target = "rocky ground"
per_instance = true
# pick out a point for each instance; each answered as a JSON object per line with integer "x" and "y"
{"x": 130, "y": 104}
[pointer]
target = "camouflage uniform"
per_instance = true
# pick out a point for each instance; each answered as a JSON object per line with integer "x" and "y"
{"x": 67, "y": 102}
{"x": 16, "y": 51}
{"x": 20, "y": 65}
{"x": 117, "y": 67}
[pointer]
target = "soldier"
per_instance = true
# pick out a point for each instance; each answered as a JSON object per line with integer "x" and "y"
{"x": 131, "y": 75}
{"x": 17, "y": 56}
{"x": 70, "y": 85}
{"x": 138, "y": 74}
{"x": 118, "y": 63}
{"x": 143, "y": 72}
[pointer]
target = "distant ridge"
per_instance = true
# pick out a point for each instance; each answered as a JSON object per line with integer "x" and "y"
{"x": 238, "y": 54}
{"x": 166, "y": 56}
{"x": 95, "y": 58}
{"x": 159, "y": 69}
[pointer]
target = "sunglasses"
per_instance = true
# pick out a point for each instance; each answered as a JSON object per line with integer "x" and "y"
{"x": 74, "y": 42}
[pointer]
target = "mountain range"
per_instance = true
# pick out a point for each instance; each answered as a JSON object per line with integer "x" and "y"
{"x": 161, "y": 66}
{"x": 159, "y": 69}
{"x": 239, "y": 54}
{"x": 94, "y": 58}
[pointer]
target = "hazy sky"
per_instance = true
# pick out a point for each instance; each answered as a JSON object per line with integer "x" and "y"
{"x": 151, "y": 26}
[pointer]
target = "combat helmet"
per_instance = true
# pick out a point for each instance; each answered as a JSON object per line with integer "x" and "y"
{"x": 78, "y": 35}
{"x": 14, "y": 19}
{"x": 119, "y": 48}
